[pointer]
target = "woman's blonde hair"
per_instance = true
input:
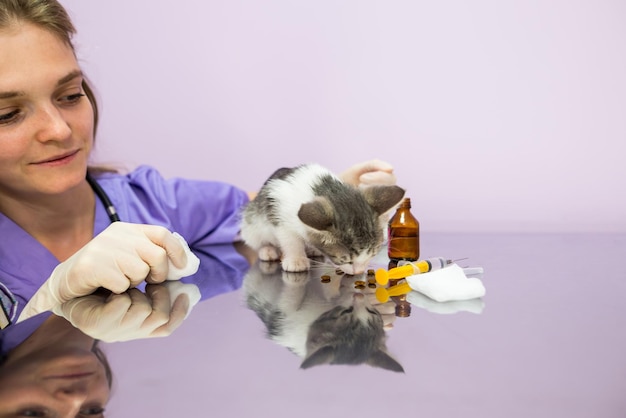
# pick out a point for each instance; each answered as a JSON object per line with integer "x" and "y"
{"x": 48, "y": 15}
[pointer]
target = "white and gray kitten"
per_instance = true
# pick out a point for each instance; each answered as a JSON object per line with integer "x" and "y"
{"x": 323, "y": 323}
{"x": 308, "y": 211}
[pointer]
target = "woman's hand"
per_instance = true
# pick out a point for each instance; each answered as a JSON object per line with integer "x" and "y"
{"x": 118, "y": 259}
{"x": 132, "y": 314}
{"x": 369, "y": 173}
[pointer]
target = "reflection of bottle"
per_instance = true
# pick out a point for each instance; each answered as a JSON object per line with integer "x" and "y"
{"x": 403, "y": 234}
{"x": 403, "y": 307}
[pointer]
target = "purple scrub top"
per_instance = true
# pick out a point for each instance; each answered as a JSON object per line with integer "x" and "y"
{"x": 205, "y": 213}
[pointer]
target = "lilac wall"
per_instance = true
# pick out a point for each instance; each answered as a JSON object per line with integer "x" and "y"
{"x": 498, "y": 116}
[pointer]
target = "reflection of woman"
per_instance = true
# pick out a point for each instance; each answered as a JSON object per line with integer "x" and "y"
{"x": 57, "y": 371}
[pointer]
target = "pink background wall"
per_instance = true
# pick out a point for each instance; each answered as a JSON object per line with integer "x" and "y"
{"x": 498, "y": 116}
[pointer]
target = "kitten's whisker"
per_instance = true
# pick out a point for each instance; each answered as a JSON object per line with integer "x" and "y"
{"x": 319, "y": 263}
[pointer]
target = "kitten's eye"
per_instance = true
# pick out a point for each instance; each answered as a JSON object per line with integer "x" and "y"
{"x": 372, "y": 311}
{"x": 347, "y": 311}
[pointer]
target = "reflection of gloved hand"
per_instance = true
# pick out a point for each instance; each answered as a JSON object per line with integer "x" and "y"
{"x": 387, "y": 309}
{"x": 119, "y": 258}
{"x": 369, "y": 173}
{"x": 132, "y": 314}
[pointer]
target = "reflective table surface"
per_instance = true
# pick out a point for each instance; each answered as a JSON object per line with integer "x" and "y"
{"x": 547, "y": 340}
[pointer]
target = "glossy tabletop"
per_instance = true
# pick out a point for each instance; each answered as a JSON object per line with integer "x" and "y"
{"x": 547, "y": 340}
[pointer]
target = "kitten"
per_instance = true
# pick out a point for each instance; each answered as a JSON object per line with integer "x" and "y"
{"x": 323, "y": 323}
{"x": 307, "y": 210}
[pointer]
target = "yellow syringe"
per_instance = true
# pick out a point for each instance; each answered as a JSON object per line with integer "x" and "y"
{"x": 383, "y": 294}
{"x": 409, "y": 268}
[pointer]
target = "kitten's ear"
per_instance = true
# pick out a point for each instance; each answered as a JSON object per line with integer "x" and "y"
{"x": 317, "y": 214}
{"x": 384, "y": 361}
{"x": 323, "y": 355}
{"x": 383, "y": 198}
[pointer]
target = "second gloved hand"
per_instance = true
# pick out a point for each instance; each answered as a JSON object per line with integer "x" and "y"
{"x": 369, "y": 173}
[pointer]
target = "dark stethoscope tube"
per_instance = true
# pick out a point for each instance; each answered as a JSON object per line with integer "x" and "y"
{"x": 113, "y": 216}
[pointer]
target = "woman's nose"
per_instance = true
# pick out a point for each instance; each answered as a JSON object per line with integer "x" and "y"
{"x": 71, "y": 398}
{"x": 76, "y": 390}
{"x": 51, "y": 125}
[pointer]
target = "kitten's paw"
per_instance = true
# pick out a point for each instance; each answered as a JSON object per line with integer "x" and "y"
{"x": 269, "y": 253}
{"x": 269, "y": 267}
{"x": 295, "y": 277}
{"x": 296, "y": 264}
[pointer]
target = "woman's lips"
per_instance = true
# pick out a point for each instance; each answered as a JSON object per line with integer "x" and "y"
{"x": 59, "y": 159}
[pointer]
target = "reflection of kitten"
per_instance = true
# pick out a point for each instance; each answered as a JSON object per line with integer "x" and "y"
{"x": 324, "y": 323}
{"x": 309, "y": 210}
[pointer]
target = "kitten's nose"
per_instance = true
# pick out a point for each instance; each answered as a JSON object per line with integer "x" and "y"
{"x": 347, "y": 268}
{"x": 354, "y": 268}
{"x": 358, "y": 300}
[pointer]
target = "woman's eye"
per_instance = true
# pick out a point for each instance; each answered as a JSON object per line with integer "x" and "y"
{"x": 96, "y": 410}
{"x": 9, "y": 117}
{"x": 32, "y": 413}
{"x": 72, "y": 98}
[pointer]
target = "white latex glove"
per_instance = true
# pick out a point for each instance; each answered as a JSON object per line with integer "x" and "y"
{"x": 119, "y": 258}
{"x": 132, "y": 314}
{"x": 369, "y": 173}
{"x": 387, "y": 309}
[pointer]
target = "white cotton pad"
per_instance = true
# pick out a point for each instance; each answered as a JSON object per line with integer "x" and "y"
{"x": 178, "y": 288}
{"x": 474, "y": 306}
{"x": 193, "y": 262}
{"x": 447, "y": 284}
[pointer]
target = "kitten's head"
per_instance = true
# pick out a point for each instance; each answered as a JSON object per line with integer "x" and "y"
{"x": 349, "y": 334}
{"x": 348, "y": 223}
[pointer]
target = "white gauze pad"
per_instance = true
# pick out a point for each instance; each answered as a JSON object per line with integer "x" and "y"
{"x": 447, "y": 284}
{"x": 193, "y": 262}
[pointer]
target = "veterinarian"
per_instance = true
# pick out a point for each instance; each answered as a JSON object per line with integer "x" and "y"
{"x": 68, "y": 228}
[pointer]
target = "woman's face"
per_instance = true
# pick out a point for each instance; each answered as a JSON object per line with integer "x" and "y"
{"x": 66, "y": 382}
{"x": 46, "y": 122}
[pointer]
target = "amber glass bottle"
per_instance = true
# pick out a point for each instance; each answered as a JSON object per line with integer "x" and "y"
{"x": 404, "y": 234}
